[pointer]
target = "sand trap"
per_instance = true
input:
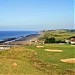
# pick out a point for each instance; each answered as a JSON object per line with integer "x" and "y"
{"x": 73, "y": 45}
{"x": 53, "y": 50}
{"x": 39, "y": 46}
{"x": 70, "y": 60}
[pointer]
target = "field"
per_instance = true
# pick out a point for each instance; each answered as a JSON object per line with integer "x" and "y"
{"x": 59, "y": 34}
{"x": 31, "y": 60}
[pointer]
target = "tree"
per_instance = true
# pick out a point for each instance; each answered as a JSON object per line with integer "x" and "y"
{"x": 50, "y": 40}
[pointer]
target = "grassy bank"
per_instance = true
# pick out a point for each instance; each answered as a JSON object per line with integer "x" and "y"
{"x": 20, "y": 56}
{"x": 36, "y": 61}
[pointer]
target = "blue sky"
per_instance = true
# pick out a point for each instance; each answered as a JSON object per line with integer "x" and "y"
{"x": 36, "y": 14}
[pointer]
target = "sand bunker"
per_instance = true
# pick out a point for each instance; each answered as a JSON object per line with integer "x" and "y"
{"x": 73, "y": 45}
{"x": 53, "y": 50}
{"x": 70, "y": 60}
{"x": 39, "y": 46}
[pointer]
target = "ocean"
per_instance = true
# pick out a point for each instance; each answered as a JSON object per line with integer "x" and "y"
{"x": 11, "y": 34}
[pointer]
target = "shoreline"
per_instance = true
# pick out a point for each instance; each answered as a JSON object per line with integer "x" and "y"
{"x": 21, "y": 40}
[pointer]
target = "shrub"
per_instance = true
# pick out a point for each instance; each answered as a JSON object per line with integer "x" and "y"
{"x": 60, "y": 41}
{"x": 49, "y": 40}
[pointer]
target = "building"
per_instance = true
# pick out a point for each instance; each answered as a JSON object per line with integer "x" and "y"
{"x": 72, "y": 41}
{"x": 67, "y": 41}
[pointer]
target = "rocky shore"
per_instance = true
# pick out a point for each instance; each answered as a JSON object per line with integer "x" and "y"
{"x": 22, "y": 40}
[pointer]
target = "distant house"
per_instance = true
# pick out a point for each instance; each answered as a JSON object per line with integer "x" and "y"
{"x": 71, "y": 40}
{"x": 36, "y": 41}
{"x": 67, "y": 40}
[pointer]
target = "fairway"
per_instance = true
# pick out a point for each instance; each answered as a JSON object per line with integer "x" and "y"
{"x": 55, "y": 57}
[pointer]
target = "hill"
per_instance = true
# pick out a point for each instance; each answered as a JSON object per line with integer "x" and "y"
{"x": 58, "y": 34}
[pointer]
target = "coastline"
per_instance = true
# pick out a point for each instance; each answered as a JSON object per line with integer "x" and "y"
{"x": 22, "y": 40}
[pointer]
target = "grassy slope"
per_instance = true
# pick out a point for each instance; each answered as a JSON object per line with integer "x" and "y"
{"x": 59, "y": 34}
{"x": 54, "y": 58}
{"x": 17, "y": 55}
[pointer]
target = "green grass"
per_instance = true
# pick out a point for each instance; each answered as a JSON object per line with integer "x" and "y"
{"x": 54, "y": 57}
{"x": 36, "y": 61}
{"x": 59, "y": 34}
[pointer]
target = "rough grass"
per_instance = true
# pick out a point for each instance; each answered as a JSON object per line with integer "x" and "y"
{"x": 18, "y": 55}
{"x": 59, "y": 34}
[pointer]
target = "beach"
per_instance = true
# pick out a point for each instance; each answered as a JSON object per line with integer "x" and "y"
{"x": 22, "y": 40}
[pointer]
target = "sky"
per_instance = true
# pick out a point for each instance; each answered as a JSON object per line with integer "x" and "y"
{"x": 34, "y": 15}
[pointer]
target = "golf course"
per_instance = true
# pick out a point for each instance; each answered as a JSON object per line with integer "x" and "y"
{"x": 43, "y": 59}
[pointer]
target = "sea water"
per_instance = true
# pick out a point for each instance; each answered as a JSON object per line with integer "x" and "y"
{"x": 12, "y": 34}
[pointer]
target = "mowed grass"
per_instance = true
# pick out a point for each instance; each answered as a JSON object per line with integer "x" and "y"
{"x": 36, "y": 61}
{"x": 60, "y": 68}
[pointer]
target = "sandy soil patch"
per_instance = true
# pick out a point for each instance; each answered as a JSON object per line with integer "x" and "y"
{"x": 40, "y": 46}
{"x": 73, "y": 45}
{"x": 53, "y": 50}
{"x": 70, "y": 60}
